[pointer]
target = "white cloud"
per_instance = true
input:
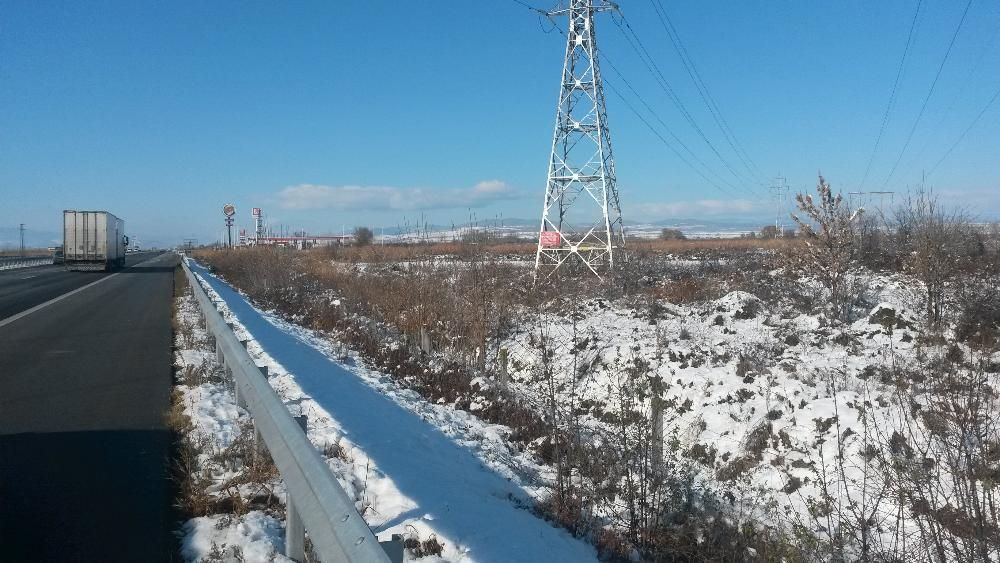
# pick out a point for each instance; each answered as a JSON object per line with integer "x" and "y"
{"x": 311, "y": 196}
{"x": 697, "y": 208}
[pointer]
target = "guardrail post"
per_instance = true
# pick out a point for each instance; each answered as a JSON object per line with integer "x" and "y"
{"x": 425, "y": 340}
{"x": 240, "y": 399}
{"x": 394, "y": 548}
{"x": 295, "y": 534}
{"x": 261, "y": 447}
{"x": 219, "y": 356}
{"x": 503, "y": 367}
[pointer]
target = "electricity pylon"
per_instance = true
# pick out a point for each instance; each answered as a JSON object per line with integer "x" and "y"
{"x": 581, "y": 217}
{"x": 779, "y": 190}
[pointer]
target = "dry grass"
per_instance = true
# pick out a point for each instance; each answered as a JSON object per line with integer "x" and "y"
{"x": 526, "y": 249}
{"x": 409, "y": 252}
{"x": 722, "y": 244}
{"x": 180, "y": 281}
{"x": 199, "y": 490}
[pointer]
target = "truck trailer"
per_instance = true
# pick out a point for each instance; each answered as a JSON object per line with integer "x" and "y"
{"x": 93, "y": 240}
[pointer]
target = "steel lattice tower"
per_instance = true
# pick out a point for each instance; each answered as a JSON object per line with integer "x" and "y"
{"x": 581, "y": 217}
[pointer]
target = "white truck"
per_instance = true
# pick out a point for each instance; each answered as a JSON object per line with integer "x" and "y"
{"x": 93, "y": 240}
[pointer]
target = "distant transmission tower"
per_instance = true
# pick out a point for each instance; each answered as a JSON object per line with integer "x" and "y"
{"x": 779, "y": 190}
{"x": 581, "y": 217}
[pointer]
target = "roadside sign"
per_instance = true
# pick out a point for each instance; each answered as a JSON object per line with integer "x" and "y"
{"x": 256, "y": 212}
{"x": 229, "y": 210}
{"x": 550, "y": 239}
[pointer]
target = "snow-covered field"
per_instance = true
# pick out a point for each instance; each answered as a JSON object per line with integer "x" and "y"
{"x": 774, "y": 406}
{"x": 777, "y": 409}
{"x": 728, "y": 367}
{"x": 416, "y": 469}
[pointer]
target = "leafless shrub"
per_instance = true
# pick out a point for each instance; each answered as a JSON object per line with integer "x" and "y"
{"x": 422, "y": 548}
{"x": 363, "y": 236}
{"x": 672, "y": 234}
{"x": 939, "y": 244}
{"x": 828, "y": 229}
{"x": 688, "y": 290}
{"x": 978, "y": 310}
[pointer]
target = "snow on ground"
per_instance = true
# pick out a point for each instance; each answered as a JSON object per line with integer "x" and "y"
{"x": 215, "y": 423}
{"x": 751, "y": 394}
{"x": 417, "y": 469}
{"x": 255, "y": 536}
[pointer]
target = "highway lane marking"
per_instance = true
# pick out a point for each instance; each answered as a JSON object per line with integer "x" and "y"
{"x": 40, "y": 306}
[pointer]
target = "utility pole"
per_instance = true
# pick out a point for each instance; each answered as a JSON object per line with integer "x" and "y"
{"x": 778, "y": 188}
{"x": 581, "y": 216}
{"x": 20, "y": 229}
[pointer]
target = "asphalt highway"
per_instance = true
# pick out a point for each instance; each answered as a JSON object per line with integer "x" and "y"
{"x": 85, "y": 381}
{"x": 24, "y": 288}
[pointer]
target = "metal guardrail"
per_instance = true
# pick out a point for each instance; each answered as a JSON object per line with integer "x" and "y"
{"x": 316, "y": 502}
{"x": 24, "y": 261}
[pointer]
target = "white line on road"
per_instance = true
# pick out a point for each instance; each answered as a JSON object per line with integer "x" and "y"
{"x": 27, "y": 312}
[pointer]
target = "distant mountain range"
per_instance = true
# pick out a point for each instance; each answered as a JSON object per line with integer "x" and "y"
{"x": 687, "y": 225}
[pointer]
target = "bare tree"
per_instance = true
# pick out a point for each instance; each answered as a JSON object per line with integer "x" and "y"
{"x": 937, "y": 244}
{"x": 828, "y": 227}
{"x": 672, "y": 234}
{"x": 363, "y": 236}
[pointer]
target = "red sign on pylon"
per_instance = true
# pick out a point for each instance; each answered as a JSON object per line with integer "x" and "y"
{"x": 550, "y": 239}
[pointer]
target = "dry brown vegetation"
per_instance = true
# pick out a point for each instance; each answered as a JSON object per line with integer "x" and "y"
{"x": 710, "y": 244}
{"x": 380, "y": 253}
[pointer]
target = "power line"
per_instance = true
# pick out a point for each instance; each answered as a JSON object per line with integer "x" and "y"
{"x": 944, "y": 116}
{"x": 927, "y": 99}
{"x": 666, "y": 128}
{"x": 703, "y": 91}
{"x": 662, "y": 139}
{"x": 892, "y": 94}
{"x": 966, "y": 132}
{"x": 530, "y": 7}
{"x": 650, "y": 63}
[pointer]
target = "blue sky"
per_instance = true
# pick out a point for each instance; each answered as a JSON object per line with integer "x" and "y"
{"x": 331, "y": 114}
